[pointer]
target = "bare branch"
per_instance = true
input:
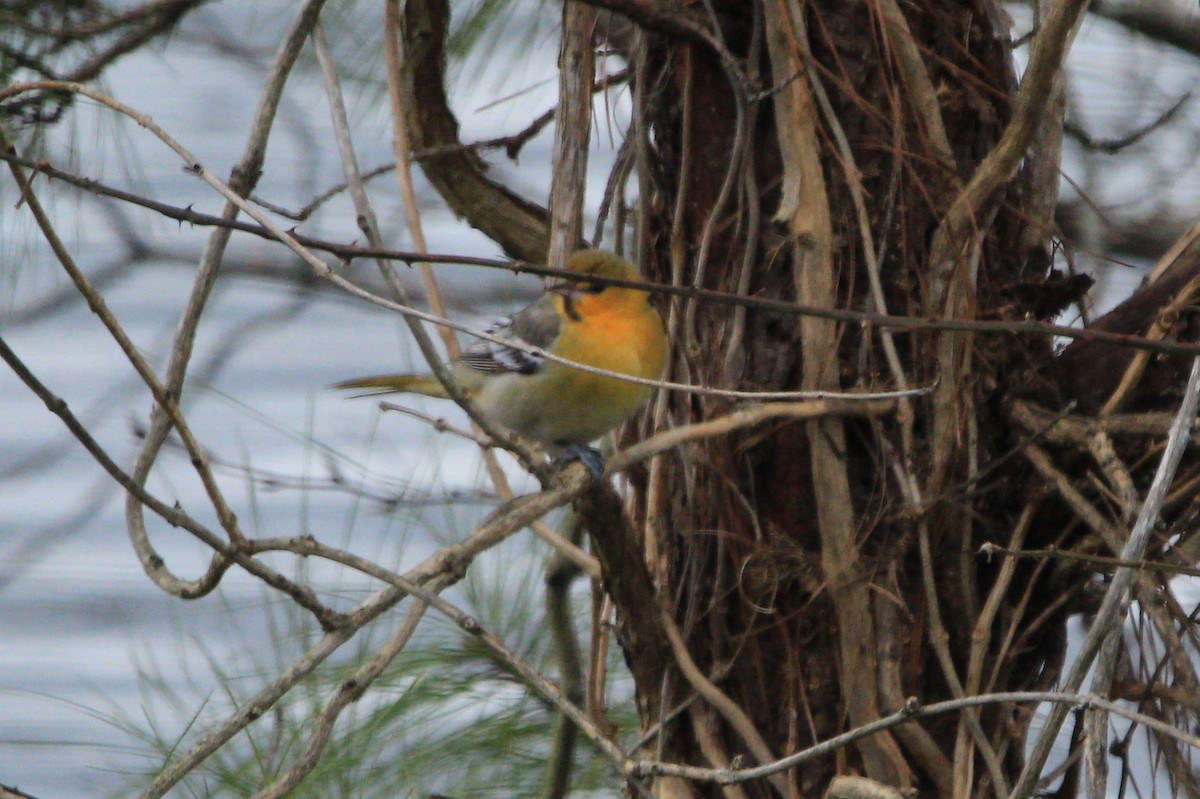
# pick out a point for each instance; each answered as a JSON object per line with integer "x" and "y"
{"x": 1116, "y": 598}
{"x": 505, "y": 521}
{"x": 350, "y": 252}
{"x": 459, "y": 176}
{"x": 226, "y": 555}
{"x": 168, "y": 411}
{"x": 1172, "y": 23}
{"x": 913, "y": 710}
{"x": 1108, "y": 564}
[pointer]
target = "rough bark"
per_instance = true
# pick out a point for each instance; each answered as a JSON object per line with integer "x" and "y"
{"x": 867, "y": 155}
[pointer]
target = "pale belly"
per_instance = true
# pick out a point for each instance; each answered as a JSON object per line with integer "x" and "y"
{"x": 562, "y": 405}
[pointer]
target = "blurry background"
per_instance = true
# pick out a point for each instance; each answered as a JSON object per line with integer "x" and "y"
{"x": 99, "y": 671}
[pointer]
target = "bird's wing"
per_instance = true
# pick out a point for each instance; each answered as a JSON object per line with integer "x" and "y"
{"x": 537, "y": 325}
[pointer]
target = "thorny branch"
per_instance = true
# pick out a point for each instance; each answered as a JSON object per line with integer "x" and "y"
{"x": 325, "y": 272}
{"x": 349, "y": 252}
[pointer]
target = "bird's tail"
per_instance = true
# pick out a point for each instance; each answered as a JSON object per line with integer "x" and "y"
{"x": 396, "y": 384}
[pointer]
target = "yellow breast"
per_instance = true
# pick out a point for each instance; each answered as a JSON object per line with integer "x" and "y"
{"x": 561, "y": 404}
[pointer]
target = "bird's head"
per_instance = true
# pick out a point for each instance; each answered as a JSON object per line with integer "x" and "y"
{"x": 580, "y": 297}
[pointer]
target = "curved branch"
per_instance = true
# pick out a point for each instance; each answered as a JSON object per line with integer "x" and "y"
{"x": 1170, "y": 23}
{"x": 520, "y": 227}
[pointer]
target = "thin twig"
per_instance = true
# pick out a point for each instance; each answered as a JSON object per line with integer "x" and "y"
{"x": 1114, "y": 146}
{"x": 173, "y": 515}
{"x": 322, "y": 198}
{"x": 446, "y": 563}
{"x": 439, "y": 424}
{"x": 720, "y": 701}
{"x": 981, "y": 636}
{"x": 939, "y": 640}
{"x": 988, "y": 550}
{"x": 350, "y": 690}
{"x": 449, "y": 560}
{"x": 654, "y": 17}
{"x": 397, "y": 65}
{"x": 349, "y": 252}
{"x": 167, "y": 409}
{"x": 746, "y": 417}
{"x": 913, "y": 710}
{"x": 243, "y": 178}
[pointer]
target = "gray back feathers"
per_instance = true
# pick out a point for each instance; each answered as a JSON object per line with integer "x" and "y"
{"x": 536, "y": 325}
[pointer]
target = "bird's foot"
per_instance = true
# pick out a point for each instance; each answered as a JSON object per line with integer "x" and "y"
{"x": 590, "y": 457}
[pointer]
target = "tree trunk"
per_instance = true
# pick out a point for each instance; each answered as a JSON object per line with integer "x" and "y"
{"x": 813, "y": 575}
{"x": 823, "y": 571}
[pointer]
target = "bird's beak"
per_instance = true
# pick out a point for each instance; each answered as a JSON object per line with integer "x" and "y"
{"x": 570, "y": 294}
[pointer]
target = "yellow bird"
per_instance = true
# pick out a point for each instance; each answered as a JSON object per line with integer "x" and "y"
{"x": 608, "y": 327}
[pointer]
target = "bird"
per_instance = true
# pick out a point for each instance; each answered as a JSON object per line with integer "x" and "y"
{"x": 614, "y": 328}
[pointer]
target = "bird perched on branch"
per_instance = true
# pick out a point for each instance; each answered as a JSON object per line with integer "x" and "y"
{"x": 607, "y": 327}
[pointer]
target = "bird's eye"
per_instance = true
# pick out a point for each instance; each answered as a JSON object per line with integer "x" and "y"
{"x": 591, "y": 288}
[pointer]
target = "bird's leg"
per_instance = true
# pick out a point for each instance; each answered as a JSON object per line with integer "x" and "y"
{"x": 590, "y": 457}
